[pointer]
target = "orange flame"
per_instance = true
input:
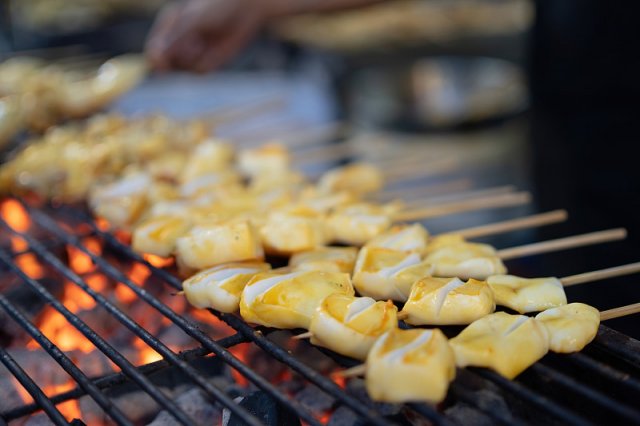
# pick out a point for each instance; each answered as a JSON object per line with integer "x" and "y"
{"x": 61, "y": 333}
{"x": 15, "y": 215}
{"x": 146, "y": 354}
{"x": 30, "y": 265}
{"x": 157, "y": 261}
{"x": 242, "y": 353}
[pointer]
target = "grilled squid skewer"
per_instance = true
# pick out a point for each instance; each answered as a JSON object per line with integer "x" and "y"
{"x": 410, "y": 365}
{"x": 448, "y": 301}
{"x": 388, "y": 274}
{"x": 525, "y": 295}
{"x": 289, "y": 300}
{"x": 220, "y": 287}
{"x": 328, "y": 259}
{"x": 507, "y": 344}
{"x": 571, "y": 327}
{"x": 350, "y": 325}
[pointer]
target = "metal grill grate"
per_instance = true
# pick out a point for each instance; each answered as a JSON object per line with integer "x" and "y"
{"x": 600, "y": 384}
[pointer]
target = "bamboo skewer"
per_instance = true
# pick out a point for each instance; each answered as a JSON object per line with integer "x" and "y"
{"x": 532, "y": 221}
{"x": 496, "y": 201}
{"x": 404, "y": 173}
{"x": 301, "y": 336}
{"x": 357, "y": 371}
{"x": 621, "y": 311}
{"x": 563, "y": 243}
{"x": 361, "y": 369}
{"x": 601, "y": 274}
{"x": 465, "y": 195}
{"x": 422, "y": 191}
{"x": 255, "y": 107}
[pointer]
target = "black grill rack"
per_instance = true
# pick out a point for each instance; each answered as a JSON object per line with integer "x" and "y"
{"x": 600, "y": 384}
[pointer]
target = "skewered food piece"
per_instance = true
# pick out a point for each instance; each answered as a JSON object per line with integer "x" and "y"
{"x": 525, "y": 294}
{"x": 158, "y": 235}
{"x": 267, "y": 159}
{"x": 350, "y": 325}
{"x": 410, "y": 365}
{"x": 80, "y": 95}
{"x": 289, "y": 300}
{"x": 205, "y": 246}
{"x": 448, "y": 301}
{"x": 388, "y": 274}
{"x": 571, "y": 327}
{"x": 508, "y": 344}
{"x": 356, "y": 224}
{"x": 358, "y": 178}
{"x": 451, "y": 256}
{"x": 220, "y": 287}
{"x": 11, "y": 119}
{"x": 322, "y": 203}
{"x": 409, "y": 238}
{"x": 46, "y": 94}
{"x": 68, "y": 161}
{"x": 292, "y": 231}
{"x": 329, "y": 259}
{"x": 122, "y": 202}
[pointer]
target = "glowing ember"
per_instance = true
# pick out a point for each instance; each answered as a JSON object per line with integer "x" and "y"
{"x": 241, "y": 352}
{"x": 146, "y": 355}
{"x": 61, "y": 333}
{"x": 30, "y": 265}
{"x": 124, "y": 294}
{"x": 76, "y": 299}
{"x": 97, "y": 282}
{"x": 15, "y": 215}
{"x": 157, "y": 261}
{"x": 139, "y": 273}
{"x": 81, "y": 262}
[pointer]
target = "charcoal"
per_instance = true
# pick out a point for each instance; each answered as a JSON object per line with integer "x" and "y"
{"x": 356, "y": 387}
{"x": 464, "y": 414}
{"x": 265, "y": 408}
{"x": 9, "y": 397}
{"x": 30, "y": 304}
{"x": 196, "y": 405}
{"x": 39, "y": 419}
{"x": 345, "y": 417}
{"x": 315, "y": 400}
{"x": 489, "y": 400}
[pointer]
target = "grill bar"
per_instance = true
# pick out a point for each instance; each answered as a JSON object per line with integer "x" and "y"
{"x": 114, "y": 379}
{"x": 189, "y": 328}
{"x": 139, "y": 331}
{"x": 99, "y": 342}
{"x": 64, "y": 361}
{"x": 313, "y": 376}
{"x": 31, "y": 387}
{"x": 621, "y": 379}
{"x": 594, "y": 396}
{"x": 249, "y": 333}
{"x": 543, "y": 403}
{"x": 608, "y": 344}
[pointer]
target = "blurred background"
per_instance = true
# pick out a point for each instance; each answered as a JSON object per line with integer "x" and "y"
{"x": 540, "y": 94}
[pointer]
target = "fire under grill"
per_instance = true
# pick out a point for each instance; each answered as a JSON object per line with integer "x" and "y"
{"x": 93, "y": 333}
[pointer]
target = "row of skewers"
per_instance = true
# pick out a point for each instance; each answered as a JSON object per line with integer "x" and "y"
{"x": 36, "y": 94}
{"x": 220, "y": 212}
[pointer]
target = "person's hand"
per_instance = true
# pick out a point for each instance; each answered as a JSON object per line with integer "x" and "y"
{"x": 201, "y": 35}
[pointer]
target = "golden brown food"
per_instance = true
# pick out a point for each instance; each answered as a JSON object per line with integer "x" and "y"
{"x": 507, "y": 344}
{"x": 410, "y": 365}
{"x": 448, "y": 301}
{"x": 527, "y": 294}
{"x": 388, "y": 274}
{"x": 571, "y": 327}
{"x": 289, "y": 300}
{"x": 350, "y": 325}
{"x": 220, "y": 287}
